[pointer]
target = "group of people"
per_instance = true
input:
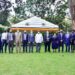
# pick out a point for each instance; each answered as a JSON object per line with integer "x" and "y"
{"x": 25, "y": 42}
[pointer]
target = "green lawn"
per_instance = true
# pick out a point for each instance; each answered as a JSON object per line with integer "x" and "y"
{"x": 37, "y": 64}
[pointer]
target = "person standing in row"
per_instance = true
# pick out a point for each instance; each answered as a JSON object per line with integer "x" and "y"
{"x": 67, "y": 41}
{"x": 18, "y": 39}
{"x": 25, "y": 41}
{"x": 4, "y": 41}
{"x": 54, "y": 42}
{"x": 47, "y": 41}
{"x": 31, "y": 39}
{"x": 10, "y": 40}
{"x": 60, "y": 36}
{"x": 72, "y": 36}
{"x": 38, "y": 41}
{"x": 1, "y": 43}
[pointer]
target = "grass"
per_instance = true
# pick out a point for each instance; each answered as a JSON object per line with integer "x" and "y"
{"x": 37, "y": 64}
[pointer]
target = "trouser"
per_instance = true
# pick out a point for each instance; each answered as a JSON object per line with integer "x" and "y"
{"x": 67, "y": 48}
{"x": 18, "y": 46}
{"x": 60, "y": 47}
{"x": 72, "y": 48}
{"x": 47, "y": 46}
{"x": 38, "y": 47}
{"x": 31, "y": 47}
{"x": 10, "y": 46}
{"x": 24, "y": 46}
{"x": 1, "y": 51}
{"x": 4, "y": 44}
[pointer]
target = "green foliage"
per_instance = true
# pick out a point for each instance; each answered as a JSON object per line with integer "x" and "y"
{"x": 15, "y": 20}
{"x": 20, "y": 10}
{"x": 1, "y": 30}
{"x": 4, "y": 10}
{"x": 3, "y": 17}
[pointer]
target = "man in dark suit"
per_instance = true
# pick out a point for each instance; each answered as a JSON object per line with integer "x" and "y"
{"x": 31, "y": 39}
{"x": 67, "y": 41}
{"x": 47, "y": 41}
{"x": 60, "y": 37}
{"x": 1, "y": 50}
{"x": 72, "y": 41}
{"x": 24, "y": 41}
{"x": 10, "y": 40}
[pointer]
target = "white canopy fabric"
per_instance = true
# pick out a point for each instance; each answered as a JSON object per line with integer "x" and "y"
{"x": 35, "y": 22}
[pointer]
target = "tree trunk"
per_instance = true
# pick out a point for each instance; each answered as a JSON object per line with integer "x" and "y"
{"x": 72, "y": 11}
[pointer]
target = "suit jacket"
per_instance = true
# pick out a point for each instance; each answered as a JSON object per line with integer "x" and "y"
{"x": 60, "y": 37}
{"x": 10, "y": 37}
{"x": 67, "y": 39}
{"x": 18, "y": 37}
{"x": 31, "y": 38}
{"x": 24, "y": 37}
{"x": 0, "y": 40}
{"x": 47, "y": 38}
{"x": 72, "y": 38}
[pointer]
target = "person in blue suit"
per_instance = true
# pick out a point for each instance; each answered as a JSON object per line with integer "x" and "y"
{"x": 47, "y": 41}
{"x": 54, "y": 42}
{"x": 72, "y": 41}
{"x": 1, "y": 50}
{"x": 60, "y": 36}
{"x": 67, "y": 41}
{"x": 10, "y": 40}
{"x": 25, "y": 41}
{"x": 31, "y": 39}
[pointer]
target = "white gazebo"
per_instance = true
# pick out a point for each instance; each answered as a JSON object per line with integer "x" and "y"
{"x": 35, "y": 23}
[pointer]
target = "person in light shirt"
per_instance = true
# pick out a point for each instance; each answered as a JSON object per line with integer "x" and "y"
{"x": 4, "y": 41}
{"x": 38, "y": 41}
{"x": 67, "y": 41}
{"x": 18, "y": 39}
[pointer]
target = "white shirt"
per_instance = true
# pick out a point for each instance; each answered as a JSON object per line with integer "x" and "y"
{"x": 38, "y": 38}
{"x": 4, "y": 36}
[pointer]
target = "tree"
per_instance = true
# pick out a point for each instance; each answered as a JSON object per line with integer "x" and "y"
{"x": 39, "y": 7}
{"x": 72, "y": 11}
{"x": 4, "y": 11}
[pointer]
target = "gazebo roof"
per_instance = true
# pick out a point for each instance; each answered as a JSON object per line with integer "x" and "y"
{"x": 35, "y": 22}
